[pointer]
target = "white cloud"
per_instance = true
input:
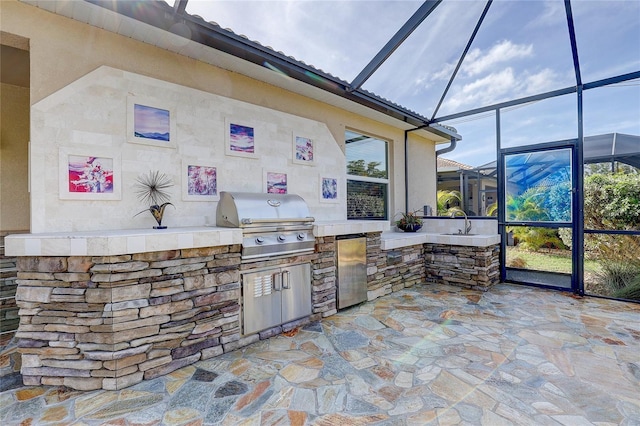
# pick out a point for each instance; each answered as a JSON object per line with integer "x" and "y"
{"x": 552, "y": 13}
{"x": 500, "y": 86}
{"x": 483, "y": 91}
{"x": 540, "y": 82}
{"x": 444, "y": 73}
{"x": 478, "y": 62}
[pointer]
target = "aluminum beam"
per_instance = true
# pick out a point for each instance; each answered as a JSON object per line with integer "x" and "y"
{"x": 395, "y": 42}
{"x": 464, "y": 54}
{"x": 572, "y": 38}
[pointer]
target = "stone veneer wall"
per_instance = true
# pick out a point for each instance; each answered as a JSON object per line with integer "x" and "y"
{"x": 9, "y": 357}
{"x": 392, "y": 270}
{"x": 323, "y": 278}
{"x": 8, "y": 308}
{"x": 387, "y": 271}
{"x": 463, "y": 266}
{"x": 110, "y": 322}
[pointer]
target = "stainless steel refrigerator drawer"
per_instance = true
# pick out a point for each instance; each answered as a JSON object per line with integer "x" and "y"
{"x": 352, "y": 271}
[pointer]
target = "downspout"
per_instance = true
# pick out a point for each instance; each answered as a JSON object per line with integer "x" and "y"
{"x": 450, "y": 148}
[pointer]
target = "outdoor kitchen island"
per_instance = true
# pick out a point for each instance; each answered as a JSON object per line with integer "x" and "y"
{"x": 108, "y": 309}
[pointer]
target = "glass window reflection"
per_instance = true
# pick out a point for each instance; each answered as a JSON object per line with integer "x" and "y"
{"x": 538, "y": 186}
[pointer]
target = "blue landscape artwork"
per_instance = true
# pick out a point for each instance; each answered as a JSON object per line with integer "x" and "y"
{"x": 151, "y": 123}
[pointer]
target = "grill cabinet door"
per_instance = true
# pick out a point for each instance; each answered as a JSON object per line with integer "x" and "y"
{"x": 262, "y": 301}
{"x": 296, "y": 292}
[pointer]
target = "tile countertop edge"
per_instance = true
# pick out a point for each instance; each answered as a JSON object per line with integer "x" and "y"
{"x": 346, "y": 227}
{"x": 129, "y": 241}
{"x": 118, "y": 242}
{"x": 393, "y": 240}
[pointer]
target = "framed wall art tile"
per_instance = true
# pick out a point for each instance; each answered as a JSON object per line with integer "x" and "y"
{"x": 151, "y": 122}
{"x": 89, "y": 174}
{"x": 303, "y": 150}
{"x": 240, "y": 138}
{"x": 199, "y": 181}
{"x": 275, "y": 182}
{"x": 329, "y": 189}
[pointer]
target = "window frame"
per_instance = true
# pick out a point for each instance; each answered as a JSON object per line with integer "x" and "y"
{"x": 359, "y": 178}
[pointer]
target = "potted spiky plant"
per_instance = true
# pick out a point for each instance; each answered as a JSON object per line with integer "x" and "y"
{"x": 409, "y": 222}
{"x": 152, "y": 189}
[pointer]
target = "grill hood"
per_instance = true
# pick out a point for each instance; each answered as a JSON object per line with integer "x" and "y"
{"x": 247, "y": 209}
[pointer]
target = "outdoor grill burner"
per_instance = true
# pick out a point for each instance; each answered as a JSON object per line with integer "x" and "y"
{"x": 272, "y": 224}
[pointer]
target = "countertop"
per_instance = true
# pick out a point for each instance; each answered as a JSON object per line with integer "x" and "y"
{"x": 130, "y": 241}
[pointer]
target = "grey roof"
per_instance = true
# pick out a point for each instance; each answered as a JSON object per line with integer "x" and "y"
{"x": 603, "y": 148}
{"x": 612, "y": 147}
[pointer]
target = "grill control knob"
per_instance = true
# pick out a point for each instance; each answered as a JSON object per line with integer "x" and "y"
{"x": 281, "y": 238}
{"x": 301, "y": 237}
{"x": 259, "y": 240}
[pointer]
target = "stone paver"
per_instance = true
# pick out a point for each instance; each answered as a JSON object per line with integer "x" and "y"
{"x": 430, "y": 354}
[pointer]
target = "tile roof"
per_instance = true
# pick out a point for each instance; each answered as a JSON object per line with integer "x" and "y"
{"x": 445, "y": 163}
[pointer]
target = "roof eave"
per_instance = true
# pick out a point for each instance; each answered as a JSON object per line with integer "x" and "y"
{"x": 162, "y": 16}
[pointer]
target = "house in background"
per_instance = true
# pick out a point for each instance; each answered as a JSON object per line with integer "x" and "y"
{"x": 477, "y": 185}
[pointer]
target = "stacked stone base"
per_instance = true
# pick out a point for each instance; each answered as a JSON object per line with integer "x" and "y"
{"x": 463, "y": 266}
{"x": 110, "y": 322}
{"x": 389, "y": 271}
{"x": 323, "y": 279}
{"x": 9, "y": 319}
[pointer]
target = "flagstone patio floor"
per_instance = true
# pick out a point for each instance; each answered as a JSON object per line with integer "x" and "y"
{"x": 426, "y": 355}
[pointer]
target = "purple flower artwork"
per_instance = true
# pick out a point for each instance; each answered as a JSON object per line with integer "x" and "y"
{"x": 202, "y": 180}
{"x": 304, "y": 149}
{"x": 90, "y": 174}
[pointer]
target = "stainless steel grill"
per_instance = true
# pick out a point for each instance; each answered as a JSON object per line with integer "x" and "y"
{"x": 272, "y": 224}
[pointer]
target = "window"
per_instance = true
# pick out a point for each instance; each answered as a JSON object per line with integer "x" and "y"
{"x": 367, "y": 176}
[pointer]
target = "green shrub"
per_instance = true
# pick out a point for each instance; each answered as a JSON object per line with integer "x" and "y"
{"x": 621, "y": 278}
{"x": 612, "y": 201}
{"x": 517, "y": 262}
{"x": 631, "y": 291}
{"x": 530, "y": 238}
{"x": 448, "y": 202}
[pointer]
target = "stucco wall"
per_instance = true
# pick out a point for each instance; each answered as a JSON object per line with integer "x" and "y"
{"x": 63, "y": 51}
{"x": 14, "y": 139}
{"x": 421, "y": 164}
{"x": 92, "y": 117}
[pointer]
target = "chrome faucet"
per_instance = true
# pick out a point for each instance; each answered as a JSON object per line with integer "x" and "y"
{"x": 467, "y": 222}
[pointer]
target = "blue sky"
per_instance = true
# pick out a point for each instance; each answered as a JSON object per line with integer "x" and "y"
{"x": 522, "y": 49}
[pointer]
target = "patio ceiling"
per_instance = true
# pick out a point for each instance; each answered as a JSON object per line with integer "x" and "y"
{"x": 413, "y": 60}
